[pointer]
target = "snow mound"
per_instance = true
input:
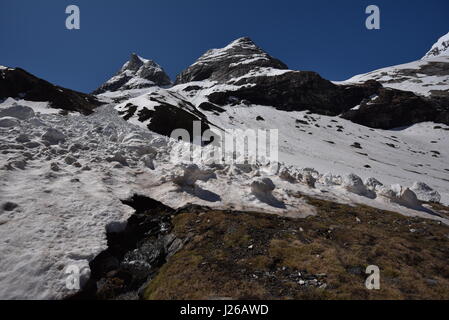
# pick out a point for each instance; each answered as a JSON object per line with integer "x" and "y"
{"x": 17, "y": 111}
{"x": 7, "y": 122}
{"x": 373, "y": 184}
{"x": 188, "y": 175}
{"x": 53, "y": 136}
{"x": 400, "y": 195}
{"x": 354, "y": 184}
{"x": 262, "y": 186}
{"x": 425, "y": 193}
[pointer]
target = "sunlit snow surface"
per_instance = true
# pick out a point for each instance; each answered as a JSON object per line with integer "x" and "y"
{"x": 68, "y": 193}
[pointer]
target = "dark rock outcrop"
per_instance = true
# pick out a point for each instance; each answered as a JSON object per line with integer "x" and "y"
{"x": 137, "y": 73}
{"x": 296, "y": 91}
{"x": 134, "y": 254}
{"x": 165, "y": 117}
{"x": 17, "y": 83}
{"x": 394, "y": 108}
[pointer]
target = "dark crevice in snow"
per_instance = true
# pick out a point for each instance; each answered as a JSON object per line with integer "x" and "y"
{"x": 134, "y": 254}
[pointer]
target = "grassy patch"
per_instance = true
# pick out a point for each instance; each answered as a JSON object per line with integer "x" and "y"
{"x": 246, "y": 255}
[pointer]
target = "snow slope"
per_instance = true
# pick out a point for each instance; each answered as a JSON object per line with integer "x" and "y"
{"x": 63, "y": 178}
{"x": 423, "y": 77}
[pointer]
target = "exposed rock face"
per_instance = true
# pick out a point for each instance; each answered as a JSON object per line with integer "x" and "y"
{"x": 163, "y": 113}
{"x": 296, "y": 91}
{"x": 232, "y": 61}
{"x": 440, "y": 48}
{"x": 137, "y": 73}
{"x": 394, "y": 108}
{"x": 17, "y": 83}
{"x": 134, "y": 254}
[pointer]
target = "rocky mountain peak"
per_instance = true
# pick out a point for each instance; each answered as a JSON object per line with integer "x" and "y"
{"x": 234, "y": 60}
{"x": 134, "y": 63}
{"x": 136, "y": 73}
{"x": 440, "y": 48}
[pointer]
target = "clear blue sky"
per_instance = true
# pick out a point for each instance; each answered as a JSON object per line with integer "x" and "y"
{"x": 327, "y": 36}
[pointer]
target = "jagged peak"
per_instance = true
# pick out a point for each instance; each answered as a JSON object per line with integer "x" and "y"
{"x": 136, "y": 73}
{"x": 135, "y": 62}
{"x": 235, "y": 59}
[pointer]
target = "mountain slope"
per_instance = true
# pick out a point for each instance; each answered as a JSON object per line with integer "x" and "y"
{"x": 19, "y": 84}
{"x": 428, "y": 77}
{"x": 267, "y": 98}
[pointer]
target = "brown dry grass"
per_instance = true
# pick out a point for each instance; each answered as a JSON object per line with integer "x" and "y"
{"x": 340, "y": 242}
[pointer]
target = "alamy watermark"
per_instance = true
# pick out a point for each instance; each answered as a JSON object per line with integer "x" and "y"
{"x": 373, "y": 20}
{"x": 76, "y": 276}
{"x": 373, "y": 280}
{"x": 225, "y": 146}
{"x": 73, "y": 21}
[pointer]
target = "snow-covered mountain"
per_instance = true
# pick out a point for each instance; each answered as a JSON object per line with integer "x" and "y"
{"x": 428, "y": 76}
{"x": 63, "y": 176}
{"x": 242, "y": 73}
{"x": 305, "y": 107}
{"x": 440, "y": 48}
{"x": 137, "y": 73}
